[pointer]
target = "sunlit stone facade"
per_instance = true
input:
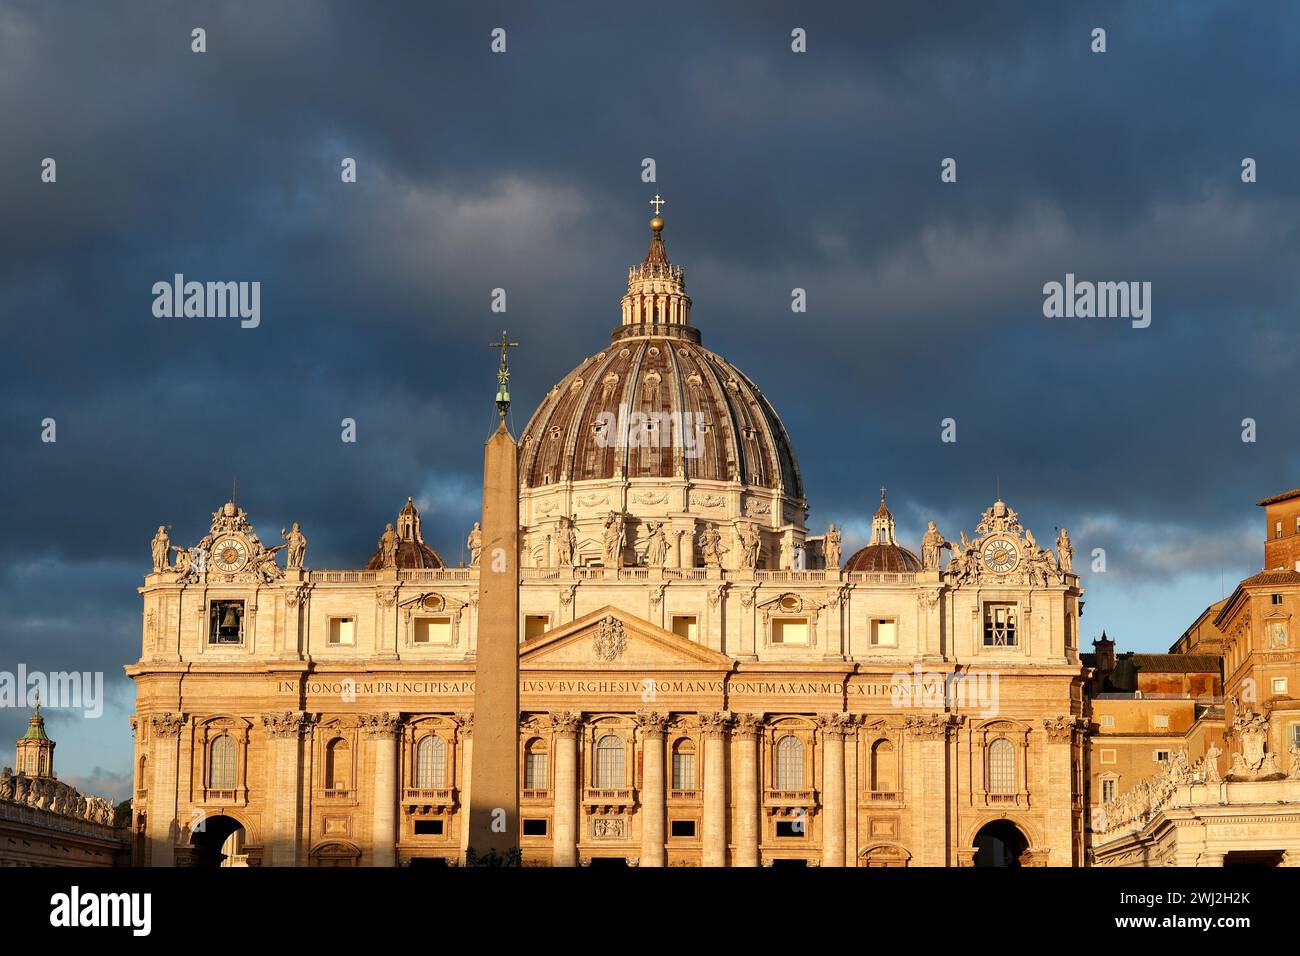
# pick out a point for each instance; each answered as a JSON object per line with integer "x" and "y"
{"x": 701, "y": 681}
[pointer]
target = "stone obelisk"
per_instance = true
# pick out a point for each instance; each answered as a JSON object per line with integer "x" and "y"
{"x": 494, "y": 770}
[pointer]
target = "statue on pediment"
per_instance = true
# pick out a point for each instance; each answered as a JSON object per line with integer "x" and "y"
{"x": 1065, "y": 552}
{"x": 711, "y": 546}
{"x": 474, "y": 542}
{"x": 932, "y": 544}
{"x": 297, "y": 544}
{"x": 656, "y": 554}
{"x": 831, "y": 547}
{"x": 615, "y": 539}
{"x": 751, "y": 543}
{"x": 161, "y": 547}
{"x": 568, "y": 543}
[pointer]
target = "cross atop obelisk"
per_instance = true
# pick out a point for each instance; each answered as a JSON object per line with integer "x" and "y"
{"x": 503, "y": 374}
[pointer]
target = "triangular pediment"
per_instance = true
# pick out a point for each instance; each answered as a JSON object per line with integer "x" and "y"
{"x": 612, "y": 638}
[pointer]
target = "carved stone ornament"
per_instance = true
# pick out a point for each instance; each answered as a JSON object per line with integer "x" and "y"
{"x": 387, "y": 597}
{"x": 835, "y": 724}
{"x": 465, "y": 724}
{"x": 608, "y": 828}
{"x": 297, "y": 595}
{"x": 1060, "y": 728}
{"x": 715, "y": 724}
{"x": 647, "y": 498}
{"x": 746, "y": 725}
{"x": 378, "y": 726}
{"x": 928, "y": 726}
{"x": 287, "y": 724}
{"x": 652, "y": 722}
{"x": 565, "y": 722}
{"x": 166, "y": 724}
{"x": 610, "y": 639}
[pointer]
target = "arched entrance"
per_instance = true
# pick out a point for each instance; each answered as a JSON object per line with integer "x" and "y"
{"x": 999, "y": 843}
{"x": 343, "y": 854}
{"x": 219, "y": 843}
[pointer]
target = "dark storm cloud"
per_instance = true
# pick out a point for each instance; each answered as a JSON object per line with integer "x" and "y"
{"x": 521, "y": 171}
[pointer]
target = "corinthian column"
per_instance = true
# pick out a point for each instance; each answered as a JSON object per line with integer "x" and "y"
{"x": 465, "y": 722}
{"x": 285, "y": 731}
{"x": 381, "y": 730}
{"x": 746, "y": 730}
{"x": 164, "y": 739}
{"x": 654, "y": 806}
{"x": 833, "y": 728}
{"x": 715, "y": 787}
{"x": 565, "y": 841}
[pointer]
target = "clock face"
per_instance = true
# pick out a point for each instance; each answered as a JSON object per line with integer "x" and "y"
{"x": 1000, "y": 555}
{"x": 229, "y": 554}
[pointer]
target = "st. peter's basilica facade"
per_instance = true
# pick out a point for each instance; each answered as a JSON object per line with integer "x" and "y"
{"x": 702, "y": 682}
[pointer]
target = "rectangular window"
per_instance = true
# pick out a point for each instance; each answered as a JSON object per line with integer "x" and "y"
{"x": 1295, "y": 735}
{"x": 1277, "y": 529}
{"x": 1160, "y": 756}
{"x": 883, "y": 634}
{"x": 683, "y": 828}
{"x": 1162, "y": 721}
{"x": 535, "y": 625}
{"x": 343, "y": 630}
{"x": 1277, "y": 598}
{"x": 790, "y": 631}
{"x": 535, "y": 771}
{"x": 686, "y": 625}
{"x": 226, "y": 620}
{"x": 999, "y": 625}
{"x": 683, "y": 771}
{"x": 1279, "y": 685}
{"x": 1107, "y": 791}
{"x": 432, "y": 630}
{"x": 789, "y": 828}
{"x": 1108, "y": 756}
{"x": 535, "y": 827}
{"x": 428, "y": 828}
{"x": 1108, "y": 721}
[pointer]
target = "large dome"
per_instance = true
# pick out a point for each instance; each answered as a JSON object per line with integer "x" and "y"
{"x": 641, "y": 385}
{"x": 657, "y": 404}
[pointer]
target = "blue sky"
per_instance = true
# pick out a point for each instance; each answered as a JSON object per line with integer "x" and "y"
{"x": 522, "y": 171}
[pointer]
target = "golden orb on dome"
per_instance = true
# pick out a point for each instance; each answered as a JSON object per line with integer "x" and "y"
{"x": 657, "y": 223}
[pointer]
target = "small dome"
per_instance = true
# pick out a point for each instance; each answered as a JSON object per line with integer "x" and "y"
{"x": 884, "y": 558}
{"x": 412, "y": 552}
{"x": 883, "y": 554}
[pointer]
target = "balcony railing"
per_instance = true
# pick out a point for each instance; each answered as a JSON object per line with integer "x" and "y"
{"x": 598, "y": 800}
{"x": 220, "y": 796}
{"x": 537, "y": 794}
{"x": 884, "y": 796}
{"x": 338, "y": 793}
{"x": 683, "y": 794}
{"x": 776, "y": 801}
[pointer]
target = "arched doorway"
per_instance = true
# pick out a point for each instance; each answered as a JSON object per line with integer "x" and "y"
{"x": 999, "y": 843}
{"x": 219, "y": 843}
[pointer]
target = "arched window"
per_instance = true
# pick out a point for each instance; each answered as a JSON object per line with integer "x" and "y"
{"x": 789, "y": 763}
{"x": 610, "y": 765}
{"x": 144, "y": 772}
{"x": 684, "y": 764}
{"x": 535, "y": 765}
{"x": 338, "y": 764}
{"x": 431, "y": 763}
{"x": 883, "y": 767}
{"x": 221, "y": 771}
{"x": 1002, "y": 766}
